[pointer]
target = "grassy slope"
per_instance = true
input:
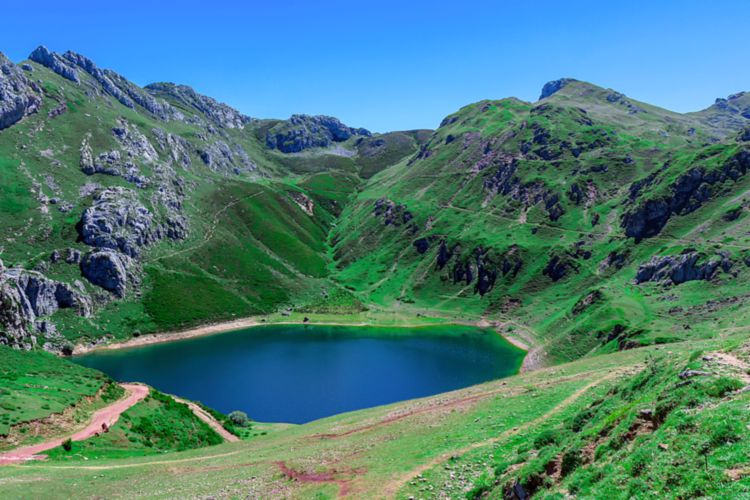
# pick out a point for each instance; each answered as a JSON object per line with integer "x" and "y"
{"x": 156, "y": 425}
{"x": 460, "y": 440}
{"x": 38, "y": 385}
{"x": 445, "y": 192}
{"x": 250, "y": 250}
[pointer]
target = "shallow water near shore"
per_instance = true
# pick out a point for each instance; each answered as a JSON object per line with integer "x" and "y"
{"x": 296, "y": 374}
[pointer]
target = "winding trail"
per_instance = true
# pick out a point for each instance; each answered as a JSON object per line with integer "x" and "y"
{"x": 103, "y": 419}
{"x": 209, "y": 419}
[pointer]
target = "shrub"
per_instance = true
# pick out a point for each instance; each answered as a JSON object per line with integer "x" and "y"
{"x": 67, "y": 445}
{"x": 239, "y": 418}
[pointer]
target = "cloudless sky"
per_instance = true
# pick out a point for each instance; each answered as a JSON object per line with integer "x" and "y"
{"x": 390, "y": 65}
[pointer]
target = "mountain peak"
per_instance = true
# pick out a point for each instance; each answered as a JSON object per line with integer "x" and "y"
{"x": 554, "y": 86}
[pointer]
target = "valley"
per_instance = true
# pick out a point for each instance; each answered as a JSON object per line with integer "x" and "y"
{"x": 380, "y": 290}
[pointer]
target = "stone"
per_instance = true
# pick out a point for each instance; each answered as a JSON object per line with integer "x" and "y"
{"x": 107, "y": 269}
{"x": 118, "y": 221}
{"x": 53, "y": 61}
{"x": 222, "y": 115}
{"x": 677, "y": 269}
{"x": 302, "y": 132}
{"x": 554, "y": 86}
{"x": 18, "y": 97}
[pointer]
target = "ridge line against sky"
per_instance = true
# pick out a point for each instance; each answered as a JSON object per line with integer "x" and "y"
{"x": 390, "y": 66}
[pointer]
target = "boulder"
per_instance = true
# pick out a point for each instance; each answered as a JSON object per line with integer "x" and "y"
{"x": 118, "y": 221}
{"x": 107, "y": 269}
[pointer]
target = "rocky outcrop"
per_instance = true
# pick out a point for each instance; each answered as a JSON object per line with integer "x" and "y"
{"x": 117, "y": 220}
{"x": 26, "y": 296}
{"x": 392, "y": 213}
{"x": 504, "y": 181}
{"x": 177, "y": 148}
{"x": 220, "y": 157}
{"x": 303, "y": 201}
{"x": 107, "y": 269}
{"x": 482, "y": 266}
{"x": 18, "y": 95}
{"x": 688, "y": 193}
{"x": 220, "y": 114}
{"x": 302, "y": 132}
{"x": 558, "y": 266}
{"x": 688, "y": 266}
{"x": 55, "y": 62}
{"x": 554, "y": 86}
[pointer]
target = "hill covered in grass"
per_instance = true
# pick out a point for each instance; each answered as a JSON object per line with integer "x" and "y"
{"x": 605, "y": 234}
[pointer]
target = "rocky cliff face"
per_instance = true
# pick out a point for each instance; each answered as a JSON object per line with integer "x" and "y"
{"x": 677, "y": 269}
{"x": 26, "y": 297}
{"x": 19, "y": 96}
{"x": 302, "y": 132}
{"x": 218, "y": 113}
{"x": 688, "y": 193}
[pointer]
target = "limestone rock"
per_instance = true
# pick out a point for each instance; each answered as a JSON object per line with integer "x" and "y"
{"x": 53, "y": 61}
{"x": 554, "y": 86}
{"x": 677, "y": 269}
{"x": 218, "y": 113}
{"x": 18, "y": 97}
{"x": 107, "y": 269}
{"x": 302, "y": 132}
{"x": 118, "y": 221}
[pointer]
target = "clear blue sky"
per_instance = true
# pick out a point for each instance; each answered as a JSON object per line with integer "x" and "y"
{"x": 389, "y": 65}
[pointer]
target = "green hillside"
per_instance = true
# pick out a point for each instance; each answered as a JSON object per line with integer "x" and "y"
{"x": 604, "y": 234}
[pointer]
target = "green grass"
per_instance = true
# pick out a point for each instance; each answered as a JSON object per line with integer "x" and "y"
{"x": 156, "y": 425}
{"x": 36, "y": 385}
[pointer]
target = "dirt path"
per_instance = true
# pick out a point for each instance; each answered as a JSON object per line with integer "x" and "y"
{"x": 103, "y": 418}
{"x": 391, "y": 488}
{"x": 740, "y": 366}
{"x": 209, "y": 419}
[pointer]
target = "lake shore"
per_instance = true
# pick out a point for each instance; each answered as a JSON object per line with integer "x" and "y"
{"x": 373, "y": 320}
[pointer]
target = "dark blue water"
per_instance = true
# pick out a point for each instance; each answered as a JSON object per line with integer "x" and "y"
{"x": 300, "y": 373}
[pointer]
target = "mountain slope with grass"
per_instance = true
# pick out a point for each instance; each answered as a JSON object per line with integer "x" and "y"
{"x": 605, "y": 234}
{"x": 595, "y": 222}
{"x": 115, "y": 198}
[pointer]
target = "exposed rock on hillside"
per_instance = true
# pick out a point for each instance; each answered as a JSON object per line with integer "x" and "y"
{"x": 107, "y": 269}
{"x": 175, "y": 146}
{"x": 26, "y": 296}
{"x": 220, "y": 157}
{"x": 302, "y": 132}
{"x": 554, "y": 86}
{"x": 504, "y": 181}
{"x": 219, "y": 113}
{"x": 688, "y": 266}
{"x": 55, "y": 62}
{"x": 688, "y": 193}
{"x": 18, "y": 95}
{"x": 117, "y": 220}
{"x": 303, "y": 201}
{"x": 393, "y": 214}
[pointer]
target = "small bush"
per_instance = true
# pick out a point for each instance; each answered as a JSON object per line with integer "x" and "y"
{"x": 239, "y": 418}
{"x": 67, "y": 445}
